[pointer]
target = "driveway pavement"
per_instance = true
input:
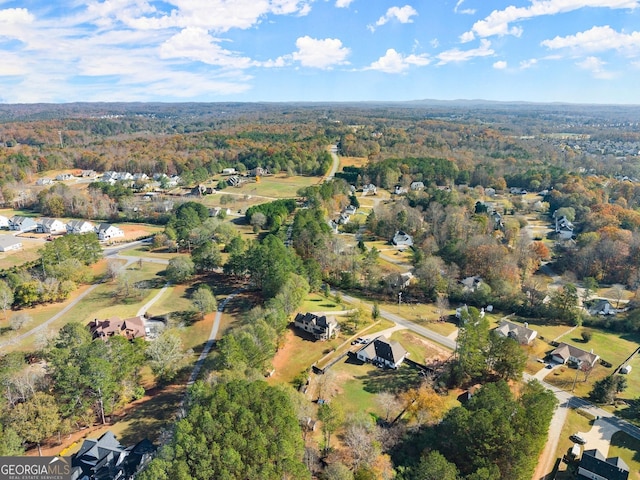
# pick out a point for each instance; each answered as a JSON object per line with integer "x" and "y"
{"x": 599, "y": 437}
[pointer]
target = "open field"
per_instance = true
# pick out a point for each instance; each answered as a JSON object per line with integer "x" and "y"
{"x": 353, "y": 162}
{"x": 627, "y": 448}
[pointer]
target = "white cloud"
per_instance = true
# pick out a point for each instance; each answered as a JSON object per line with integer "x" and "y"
{"x": 196, "y": 44}
{"x": 467, "y": 37}
{"x": 525, "y": 64}
{"x": 320, "y": 53}
{"x": 435, "y": 43}
{"x": 343, "y": 3}
{"x": 500, "y": 65}
{"x": 499, "y": 22}
{"x": 465, "y": 11}
{"x": 13, "y": 22}
{"x": 401, "y": 14}
{"x": 215, "y": 15}
{"x": 457, "y": 55}
{"x": 597, "y": 39}
{"x": 394, "y": 62}
{"x": 596, "y": 67}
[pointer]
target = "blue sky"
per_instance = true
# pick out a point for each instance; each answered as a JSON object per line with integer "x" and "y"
{"x": 580, "y": 51}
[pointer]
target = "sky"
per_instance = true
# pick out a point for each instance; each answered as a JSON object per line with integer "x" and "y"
{"x": 577, "y": 51}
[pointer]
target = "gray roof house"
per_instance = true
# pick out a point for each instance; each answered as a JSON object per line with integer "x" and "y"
{"x": 80, "y": 226}
{"x": 382, "y": 351}
{"x": 594, "y": 465}
{"x": 568, "y": 353}
{"x": 402, "y": 239}
{"x": 106, "y": 459}
{"x": 417, "y": 186}
{"x": 51, "y": 225}
{"x": 22, "y": 224}
{"x": 9, "y": 242}
{"x": 522, "y": 334}
{"x": 321, "y": 327}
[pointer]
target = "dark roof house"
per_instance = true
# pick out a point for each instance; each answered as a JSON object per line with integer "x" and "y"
{"x": 402, "y": 239}
{"x": 106, "y": 459}
{"x": 321, "y": 327}
{"x": 593, "y": 465}
{"x": 383, "y": 351}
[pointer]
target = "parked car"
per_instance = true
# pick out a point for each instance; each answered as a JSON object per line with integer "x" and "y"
{"x": 576, "y": 437}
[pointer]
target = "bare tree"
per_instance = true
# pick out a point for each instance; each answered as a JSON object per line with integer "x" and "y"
{"x": 114, "y": 268}
{"x": 389, "y": 404}
{"x": 19, "y": 320}
{"x": 442, "y": 307}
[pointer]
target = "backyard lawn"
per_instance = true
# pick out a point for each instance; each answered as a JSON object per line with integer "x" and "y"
{"x": 627, "y": 448}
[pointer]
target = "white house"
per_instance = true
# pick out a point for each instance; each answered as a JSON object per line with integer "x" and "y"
{"x": 9, "y": 242}
{"x": 50, "y": 225}
{"x": 399, "y": 190}
{"x": 369, "y": 189}
{"x": 44, "y": 181}
{"x": 382, "y": 351}
{"x": 80, "y": 226}
{"x": 4, "y": 222}
{"x": 107, "y": 231}
{"x": 22, "y": 224}
{"x": 416, "y": 186}
{"x": 228, "y": 171}
{"x": 402, "y": 239}
{"x": 64, "y": 176}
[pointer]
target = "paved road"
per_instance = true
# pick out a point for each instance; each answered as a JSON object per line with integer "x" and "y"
{"x": 212, "y": 338}
{"x": 334, "y": 165}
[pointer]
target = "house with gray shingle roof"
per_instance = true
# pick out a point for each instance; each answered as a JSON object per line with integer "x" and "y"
{"x": 383, "y": 351}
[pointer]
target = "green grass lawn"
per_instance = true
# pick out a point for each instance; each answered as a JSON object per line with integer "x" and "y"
{"x": 28, "y": 253}
{"x": 316, "y": 302}
{"x": 146, "y": 252}
{"x": 627, "y": 448}
{"x": 420, "y": 349}
{"x": 612, "y": 347}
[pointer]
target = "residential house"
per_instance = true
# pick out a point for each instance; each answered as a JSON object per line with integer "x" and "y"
{"x": 105, "y": 458}
{"x": 369, "y": 189}
{"x": 61, "y": 177}
{"x": 333, "y": 225}
{"x": 490, "y": 192}
{"x": 216, "y": 211}
{"x": 416, "y": 186}
{"x": 321, "y": 327}
{"x": 568, "y": 353}
{"x": 22, "y": 224}
{"x": 9, "y": 243}
{"x": 80, "y": 226}
{"x": 564, "y": 228}
{"x": 228, "y": 171}
{"x": 522, "y": 334}
{"x": 258, "y": 172}
{"x": 234, "y": 181}
{"x": 517, "y": 191}
{"x": 108, "y": 231}
{"x": 44, "y": 181}
{"x": 140, "y": 177}
{"x": 602, "y": 307}
{"x": 344, "y": 218}
{"x": 130, "y": 328}
{"x": 88, "y": 173}
{"x": 4, "y": 222}
{"x": 383, "y": 352}
{"x": 399, "y": 190}
{"x": 402, "y": 239}
{"x": 350, "y": 210}
{"x": 399, "y": 280}
{"x": 52, "y": 226}
{"x": 470, "y": 284}
{"x": 594, "y": 466}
